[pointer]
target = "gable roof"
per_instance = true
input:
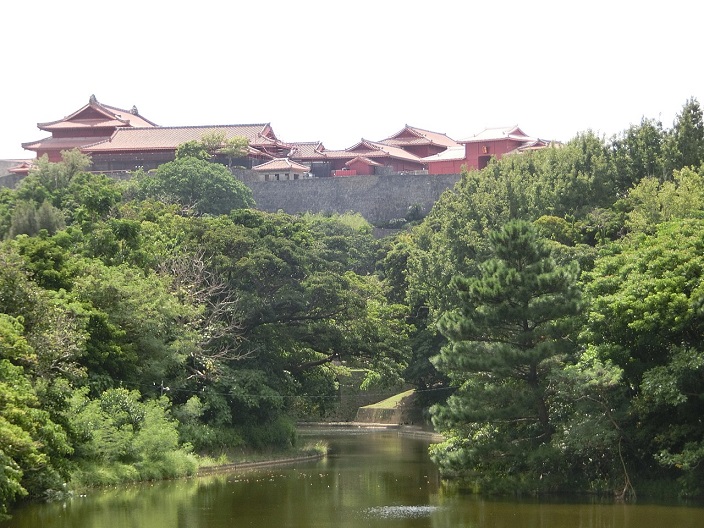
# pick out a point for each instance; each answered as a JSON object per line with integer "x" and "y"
{"x": 410, "y": 135}
{"x": 22, "y": 168}
{"x": 98, "y": 115}
{"x": 372, "y": 149}
{"x": 307, "y": 150}
{"x": 364, "y": 160}
{"x": 281, "y": 164}
{"x": 169, "y": 138}
{"x": 495, "y": 134}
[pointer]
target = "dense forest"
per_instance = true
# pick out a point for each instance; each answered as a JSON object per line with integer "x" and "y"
{"x": 549, "y": 311}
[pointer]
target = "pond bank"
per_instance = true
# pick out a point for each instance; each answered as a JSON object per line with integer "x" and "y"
{"x": 412, "y": 431}
{"x": 208, "y": 470}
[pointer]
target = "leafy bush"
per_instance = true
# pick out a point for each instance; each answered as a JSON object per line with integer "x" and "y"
{"x": 121, "y": 439}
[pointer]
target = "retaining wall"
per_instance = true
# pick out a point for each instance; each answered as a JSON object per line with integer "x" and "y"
{"x": 379, "y": 199}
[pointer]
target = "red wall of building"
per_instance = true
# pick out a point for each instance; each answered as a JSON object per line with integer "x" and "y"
{"x": 53, "y": 155}
{"x": 495, "y": 148}
{"x": 446, "y": 167}
{"x": 401, "y": 165}
{"x": 361, "y": 168}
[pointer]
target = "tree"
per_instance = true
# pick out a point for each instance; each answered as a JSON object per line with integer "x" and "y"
{"x": 136, "y": 440}
{"x": 563, "y": 186}
{"x": 652, "y": 201}
{"x": 507, "y": 338}
{"x": 32, "y": 446}
{"x": 568, "y": 182}
{"x": 285, "y": 291}
{"x": 219, "y": 144}
{"x": 684, "y": 144}
{"x": 646, "y": 318}
{"x": 136, "y": 336}
{"x": 49, "y": 181}
{"x": 637, "y": 154}
{"x": 49, "y": 322}
{"x": 198, "y": 186}
{"x": 193, "y": 149}
{"x": 215, "y": 144}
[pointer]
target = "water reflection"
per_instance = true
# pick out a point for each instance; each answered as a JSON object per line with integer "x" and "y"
{"x": 368, "y": 480}
{"x": 390, "y": 512}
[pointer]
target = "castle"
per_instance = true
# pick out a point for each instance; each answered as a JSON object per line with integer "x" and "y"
{"x": 119, "y": 140}
{"x": 382, "y": 180}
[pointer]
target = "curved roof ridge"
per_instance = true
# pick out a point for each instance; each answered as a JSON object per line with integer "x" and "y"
{"x": 107, "y": 110}
{"x": 170, "y": 127}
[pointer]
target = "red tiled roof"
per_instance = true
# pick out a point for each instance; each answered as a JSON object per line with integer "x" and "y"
{"x": 371, "y": 149}
{"x": 494, "y": 134}
{"x": 98, "y": 115}
{"x": 364, "y": 160}
{"x": 169, "y": 138}
{"x": 404, "y": 141}
{"x": 410, "y": 135}
{"x": 22, "y": 168}
{"x": 451, "y": 154}
{"x": 68, "y": 143}
{"x": 84, "y": 123}
{"x": 307, "y": 150}
{"x": 535, "y": 144}
{"x": 281, "y": 164}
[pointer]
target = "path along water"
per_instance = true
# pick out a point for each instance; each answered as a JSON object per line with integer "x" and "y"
{"x": 368, "y": 480}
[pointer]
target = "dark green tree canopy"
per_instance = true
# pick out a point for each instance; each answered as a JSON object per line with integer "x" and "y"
{"x": 506, "y": 339}
{"x": 684, "y": 145}
{"x": 198, "y": 186}
{"x": 646, "y": 318}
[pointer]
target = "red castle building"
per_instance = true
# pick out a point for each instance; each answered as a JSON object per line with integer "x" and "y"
{"x": 496, "y": 143}
{"x": 124, "y": 140}
{"x": 90, "y": 124}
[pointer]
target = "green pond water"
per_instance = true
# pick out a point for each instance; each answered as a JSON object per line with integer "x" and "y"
{"x": 369, "y": 479}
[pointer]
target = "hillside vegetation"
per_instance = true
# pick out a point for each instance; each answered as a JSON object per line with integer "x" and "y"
{"x": 557, "y": 294}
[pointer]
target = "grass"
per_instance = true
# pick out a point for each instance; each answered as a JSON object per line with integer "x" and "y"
{"x": 392, "y": 402}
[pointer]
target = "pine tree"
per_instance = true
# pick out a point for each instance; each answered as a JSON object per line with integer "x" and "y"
{"x": 505, "y": 340}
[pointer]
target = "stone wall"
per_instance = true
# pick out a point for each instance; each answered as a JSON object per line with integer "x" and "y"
{"x": 379, "y": 199}
{"x": 405, "y": 411}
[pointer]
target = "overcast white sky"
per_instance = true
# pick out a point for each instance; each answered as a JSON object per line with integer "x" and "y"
{"x": 337, "y": 71}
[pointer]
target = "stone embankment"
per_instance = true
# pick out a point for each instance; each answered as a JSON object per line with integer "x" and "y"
{"x": 398, "y": 409}
{"x": 400, "y": 412}
{"x": 379, "y": 199}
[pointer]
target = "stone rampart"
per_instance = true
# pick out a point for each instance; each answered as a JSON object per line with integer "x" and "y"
{"x": 379, "y": 199}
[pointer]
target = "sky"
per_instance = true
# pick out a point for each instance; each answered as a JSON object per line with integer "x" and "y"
{"x": 339, "y": 71}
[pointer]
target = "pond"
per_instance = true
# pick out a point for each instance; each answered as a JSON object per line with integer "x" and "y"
{"x": 369, "y": 479}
